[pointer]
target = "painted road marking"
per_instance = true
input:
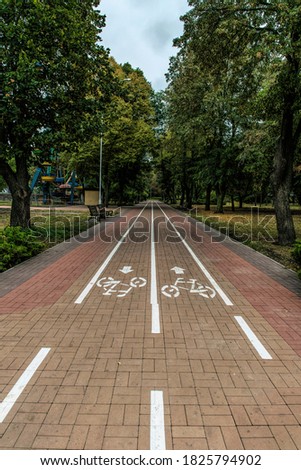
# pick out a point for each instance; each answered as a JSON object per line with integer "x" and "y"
{"x": 253, "y": 338}
{"x": 178, "y": 270}
{"x": 94, "y": 279}
{"x": 18, "y": 388}
{"x": 113, "y": 286}
{"x": 157, "y": 430}
{"x": 154, "y": 289}
{"x": 195, "y": 287}
{"x": 213, "y": 282}
{"x": 126, "y": 269}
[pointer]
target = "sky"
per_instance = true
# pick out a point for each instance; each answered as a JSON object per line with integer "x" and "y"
{"x": 141, "y": 32}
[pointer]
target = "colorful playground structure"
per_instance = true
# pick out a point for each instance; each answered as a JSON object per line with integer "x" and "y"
{"x": 54, "y": 183}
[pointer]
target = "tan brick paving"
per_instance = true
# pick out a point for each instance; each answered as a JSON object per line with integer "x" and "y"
{"x": 93, "y": 389}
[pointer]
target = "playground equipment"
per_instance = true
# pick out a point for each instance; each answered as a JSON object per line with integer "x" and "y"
{"x": 55, "y": 184}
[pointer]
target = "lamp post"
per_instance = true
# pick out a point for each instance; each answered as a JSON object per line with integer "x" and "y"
{"x": 100, "y": 170}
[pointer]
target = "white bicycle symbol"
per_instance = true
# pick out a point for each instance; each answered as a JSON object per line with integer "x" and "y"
{"x": 173, "y": 290}
{"x": 113, "y": 286}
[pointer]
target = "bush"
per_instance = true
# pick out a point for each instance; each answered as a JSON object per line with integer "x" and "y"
{"x": 17, "y": 245}
{"x": 297, "y": 255}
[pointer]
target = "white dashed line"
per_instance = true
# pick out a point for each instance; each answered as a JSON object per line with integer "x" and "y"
{"x": 213, "y": 282}
{"x": 157, "y": 430}
{"x": 18, "y": 388}
{"x": 253, "y": 338}
{"x": 154, "y": 290}
{"x": 95, "y": 278}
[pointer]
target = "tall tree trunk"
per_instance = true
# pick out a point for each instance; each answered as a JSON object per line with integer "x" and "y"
{"x": 18, "y": 184}
{"x": 188, "y": 197}
{"x": 173, "y": 196}
{"x": 232, "y": 203}
{"x": 208, "y": 197}
{"x": 285, "y": 152}
{"x": 182, "y": 200}
{"x": 282, "y": 179}
{"x": 282, "y": 176}
{"x": 20, "y": 209}
{"x": 220, "y": 194}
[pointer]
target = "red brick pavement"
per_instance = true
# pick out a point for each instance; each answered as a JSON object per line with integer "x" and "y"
{"x": 93, "y": 390}
{"x": 49, "y": 284}
{"x": 277, "y": 304}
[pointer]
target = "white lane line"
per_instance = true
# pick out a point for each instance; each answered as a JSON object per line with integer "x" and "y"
{"x": 154, "y": 289}
{"x": 94, "y": 279}
{"x": 253, "y": 338}
{"x": 157, "y": 430}
{"x": 18, "y": 388}
{"x": 213, "y": 282}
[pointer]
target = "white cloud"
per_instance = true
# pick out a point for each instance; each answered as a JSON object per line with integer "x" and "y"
{"x": 141, "y": 32}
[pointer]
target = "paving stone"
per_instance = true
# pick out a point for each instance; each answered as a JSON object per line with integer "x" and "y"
{"x": 93, "y": 390}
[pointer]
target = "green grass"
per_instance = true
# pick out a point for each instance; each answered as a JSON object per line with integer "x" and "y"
{"x": 48, "y": 228}
{"x": 255, "y": 227}
{"x": 56, "y": 227}
{"x": 5, "y": 203}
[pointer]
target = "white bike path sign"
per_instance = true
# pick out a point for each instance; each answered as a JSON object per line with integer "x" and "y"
{"x": 112, "y": 286}
{"x": 118, "y": 288}
{"x": 192, "y": 286}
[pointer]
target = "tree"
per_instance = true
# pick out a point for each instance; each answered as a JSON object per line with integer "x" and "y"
{"x": 260, "y": 36}
{"x": 56, "y": 75}
{"x": 184, "y": 108}
{"x": 126, "y": 125}
{"x": 204, "y": 116}
{"x": 129, "y": 137}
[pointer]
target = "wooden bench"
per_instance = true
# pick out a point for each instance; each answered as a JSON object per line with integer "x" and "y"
{"x": 97, "y": 212}
{"x": 112, "y": 212}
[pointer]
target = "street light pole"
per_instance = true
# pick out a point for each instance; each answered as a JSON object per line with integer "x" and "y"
{"x": 100, "y": 171}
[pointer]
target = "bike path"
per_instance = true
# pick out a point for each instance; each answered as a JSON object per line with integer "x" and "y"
{"x": 154, "y": 356}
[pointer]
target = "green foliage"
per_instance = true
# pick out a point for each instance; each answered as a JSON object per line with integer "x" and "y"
{"x": 54, "y": 68}
{"x": 234, "y": 101}
{"x": 3, "y": 185}
{"x": 297, "y": 255}
{"x": 17, "y": 245}
{"x": 206, "y": 125}
{"x": 55, "y": 79}
{"x": 128, "y": 140}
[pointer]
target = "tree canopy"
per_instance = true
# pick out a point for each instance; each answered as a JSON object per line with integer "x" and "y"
{"x": 229, "y": 122}
{"x": 128, "y": 140}
{"x": 55, "y": 76}
{"x": 234, "y": 98}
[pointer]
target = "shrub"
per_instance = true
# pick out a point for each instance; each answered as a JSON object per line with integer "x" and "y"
{"x": 17, "y": 245}
{"x": 297, "y": 255}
